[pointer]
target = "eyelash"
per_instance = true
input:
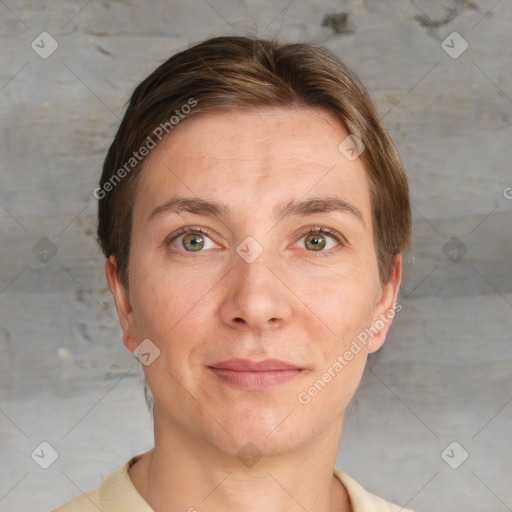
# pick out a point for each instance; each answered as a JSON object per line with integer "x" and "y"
{"x": 312, "y": 230}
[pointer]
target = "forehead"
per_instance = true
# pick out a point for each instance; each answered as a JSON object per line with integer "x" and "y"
{"x": 253, "y": 160}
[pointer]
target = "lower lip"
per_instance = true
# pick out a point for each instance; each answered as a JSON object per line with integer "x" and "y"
{"x": 255, "y": 380}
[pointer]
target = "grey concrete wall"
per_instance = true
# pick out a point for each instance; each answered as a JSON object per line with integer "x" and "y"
{"x": 444, "y": 375}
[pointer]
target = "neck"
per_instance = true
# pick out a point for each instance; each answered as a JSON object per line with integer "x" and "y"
{"x": 186, "y": 474}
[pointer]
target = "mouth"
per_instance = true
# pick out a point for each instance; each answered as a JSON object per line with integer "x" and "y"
{"x": 247, "y": 374}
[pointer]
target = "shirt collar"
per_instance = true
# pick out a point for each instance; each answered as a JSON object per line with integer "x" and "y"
{"x": 117, "y": 493}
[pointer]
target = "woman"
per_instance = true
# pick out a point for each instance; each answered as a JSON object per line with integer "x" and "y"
{"x": 253, "y": 211}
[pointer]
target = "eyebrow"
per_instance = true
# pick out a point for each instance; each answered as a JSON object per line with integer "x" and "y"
{"x": 302, "y": 208}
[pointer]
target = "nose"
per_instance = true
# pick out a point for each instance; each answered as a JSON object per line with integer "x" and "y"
{"x": 257, "y": 297}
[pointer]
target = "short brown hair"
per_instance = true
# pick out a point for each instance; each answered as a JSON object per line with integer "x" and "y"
{"x": 245, "y": 73}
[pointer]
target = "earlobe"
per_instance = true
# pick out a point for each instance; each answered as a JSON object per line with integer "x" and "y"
{"x": 123, "y": 304}
{"x": 386, "y": 308}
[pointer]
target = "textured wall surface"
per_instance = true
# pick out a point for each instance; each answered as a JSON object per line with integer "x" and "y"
{"x": 441, "y": 388}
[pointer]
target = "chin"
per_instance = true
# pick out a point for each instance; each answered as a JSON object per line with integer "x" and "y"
{"x": 257, "y": 443}
{"x": 269, "y": 431}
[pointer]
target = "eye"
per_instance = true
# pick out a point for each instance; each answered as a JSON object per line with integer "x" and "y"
{"x": 195, "y": 239}
{"x": 316, "y": 238}
{"x": 192, "y": 239}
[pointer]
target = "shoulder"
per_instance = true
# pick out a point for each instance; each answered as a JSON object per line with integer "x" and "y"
{"x": 115, "y": 493}
{"x": 363, "y": 500}
{"x": 86, "y": 502}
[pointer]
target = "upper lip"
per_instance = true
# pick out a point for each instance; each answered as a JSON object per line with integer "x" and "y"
{"x": 254, "y": 366}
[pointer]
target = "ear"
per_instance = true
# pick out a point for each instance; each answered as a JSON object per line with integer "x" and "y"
{"x": 386, "y": 307}
{"x": 123, "y": 305}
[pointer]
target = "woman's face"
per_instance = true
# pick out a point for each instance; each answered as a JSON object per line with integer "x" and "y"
{"x": 253, "y": 285}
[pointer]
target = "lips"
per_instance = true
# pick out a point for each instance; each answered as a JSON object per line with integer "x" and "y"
{"x": 254, "y": 366}
{"x": 247, "y": 374}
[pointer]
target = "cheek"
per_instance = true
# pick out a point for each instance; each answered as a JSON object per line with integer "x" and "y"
{"x": 156, "y": 297}
{"x": 171, "y": 308}
{"x": 344, "y": 306}
{"x": 342, "y": 300}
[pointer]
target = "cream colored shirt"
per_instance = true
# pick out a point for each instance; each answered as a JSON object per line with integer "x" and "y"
{"x": 118, "y": 494}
